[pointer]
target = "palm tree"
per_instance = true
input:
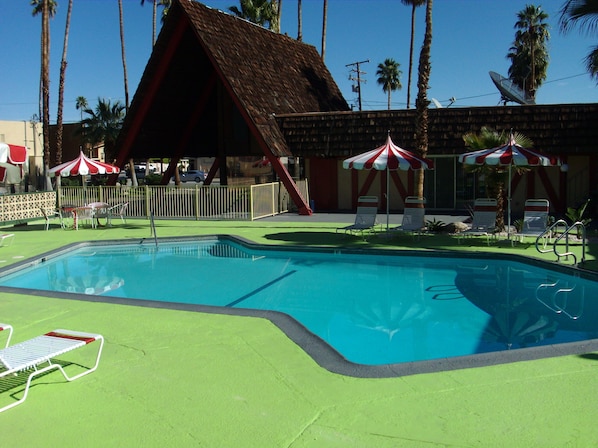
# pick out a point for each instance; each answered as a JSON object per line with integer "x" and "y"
{"x": 47, "y": 8}
{"x": 529, "y": 52}
{"x": 495, "y": 177}
{"x": 154, "y": 14}
{"x": 81, "y": 104}
{"x": 260, "y": 12}
{"x": 414, "y": 4}
{"x": 421, "y": 102}
{"x": 584, "y": 14}
{"x": 277, "y": 13}
{"x": 166, "y": 4}
{"x": 324, "y": 20}
{"x": 63, "y": 63}
{"x": 103, "y": 125}
{"x": 122, "y": 50}
{"x": 389, "y": 77}
{"x": 299, "y": 21}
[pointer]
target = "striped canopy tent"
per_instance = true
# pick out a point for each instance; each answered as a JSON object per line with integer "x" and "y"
{"x": 386, "y": 158}
{"x": 13, "y": 162}
{"x": 83, "y": 166}
{"x": 509, "y": 155}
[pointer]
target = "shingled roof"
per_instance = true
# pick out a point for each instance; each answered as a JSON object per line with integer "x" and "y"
{"x": 209, "y": 74}
{"x": 563, "y": 129}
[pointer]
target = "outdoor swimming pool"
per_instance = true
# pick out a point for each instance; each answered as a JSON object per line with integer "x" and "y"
{"x": 374, "y": 309}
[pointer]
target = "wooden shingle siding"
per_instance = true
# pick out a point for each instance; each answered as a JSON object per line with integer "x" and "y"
{"x": 258, "y": 74}
{"x": 555, "y": 129}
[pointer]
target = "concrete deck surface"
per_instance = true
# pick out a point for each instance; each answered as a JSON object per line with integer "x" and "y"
{"x": 176, "y": 379}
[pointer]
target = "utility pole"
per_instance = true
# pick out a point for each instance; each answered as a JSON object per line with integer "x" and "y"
{"x": 355, "y": 75}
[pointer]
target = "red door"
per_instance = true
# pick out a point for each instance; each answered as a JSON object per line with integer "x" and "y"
{"x": 323, "y": 183}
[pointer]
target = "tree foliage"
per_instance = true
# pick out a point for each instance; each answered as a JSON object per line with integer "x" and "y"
{"x": 495, "y": 177}
{"x": 260, "y": 12}
{"x": 389, "y": 77}
{"x": 103, "y": 124}
{"x": 529, "y": 52}
{"x": 584, "y": 15}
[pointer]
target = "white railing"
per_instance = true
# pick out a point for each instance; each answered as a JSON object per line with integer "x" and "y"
{"x": 198, "y": 202}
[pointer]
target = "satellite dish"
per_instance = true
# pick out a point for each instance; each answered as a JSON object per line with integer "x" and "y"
{"x": 437, "y": 103}
{"x": 509, "y": 90}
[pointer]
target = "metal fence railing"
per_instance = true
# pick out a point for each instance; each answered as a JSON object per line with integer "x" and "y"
{"x": 197, "y": 202}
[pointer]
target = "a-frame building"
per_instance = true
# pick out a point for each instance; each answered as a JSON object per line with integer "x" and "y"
{"x": 213, "y": 87}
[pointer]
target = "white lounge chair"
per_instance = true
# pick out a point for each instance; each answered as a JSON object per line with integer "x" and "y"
{"x": 535, "y": 220}
{"x": 484, "y": 220}
{"x": 365, "y": 218}
{"x": 31, "y": 355}
{"x": 6, "y": 239}
{"x": 414, "y": 215}
{"x": 8, "y": 328}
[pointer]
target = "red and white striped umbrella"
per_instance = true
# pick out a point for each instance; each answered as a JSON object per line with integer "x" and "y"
{"x": 83, "y": 165}
{"x": 510, "y": 154}
{"x": 13, "y": 161}
{"x": 388, "y": 156}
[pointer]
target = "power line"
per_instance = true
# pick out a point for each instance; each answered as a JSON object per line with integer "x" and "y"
{"x": 356, "y": 76}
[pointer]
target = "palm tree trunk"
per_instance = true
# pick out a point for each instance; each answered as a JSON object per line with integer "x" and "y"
{"x": 154, "y": 16}
{"x": 278, "y": 15}
{"x": 422, "y": 103}
{"x": 122, "y": 49}
{"x": 63, "y": 63}
{"x": 46, "y": 89}
{"x": 299, "y": 21}
{"x": 324, "y": 20}
{"x": 411, "y": 55}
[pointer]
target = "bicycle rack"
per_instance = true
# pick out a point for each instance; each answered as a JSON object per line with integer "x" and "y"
{"x": 564, "y": 235}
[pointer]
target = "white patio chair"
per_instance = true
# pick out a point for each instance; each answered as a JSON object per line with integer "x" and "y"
{"x": 535, "y": 220}
{"x": 484, "y": 219}
{"x": 82, "y": 214}
{"x": 365, "y": 218}
{"x": 414, "y": 215}
{"x": 50, "y": 214}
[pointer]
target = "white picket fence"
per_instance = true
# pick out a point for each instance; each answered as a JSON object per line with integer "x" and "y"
{"x": 198, "y": 202}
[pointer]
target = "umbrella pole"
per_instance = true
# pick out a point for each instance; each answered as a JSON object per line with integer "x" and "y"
{"x": 509, "y": 205}
{"x": 387, "y": 196}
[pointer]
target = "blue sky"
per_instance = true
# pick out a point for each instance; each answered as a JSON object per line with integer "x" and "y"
{"x": 470, "y": 38}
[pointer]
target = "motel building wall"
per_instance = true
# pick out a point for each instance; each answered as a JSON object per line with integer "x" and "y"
{"x": 448, "y": 187}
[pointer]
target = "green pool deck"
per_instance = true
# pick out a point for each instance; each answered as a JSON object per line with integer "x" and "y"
{"x": 172, "y": 378}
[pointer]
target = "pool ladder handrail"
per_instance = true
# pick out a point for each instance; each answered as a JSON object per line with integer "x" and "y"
{"x": 565, "y": 234}
{"x": 153, "y": 228}
{"x": 558, "y": 291}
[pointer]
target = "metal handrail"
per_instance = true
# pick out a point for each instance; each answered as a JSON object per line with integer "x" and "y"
{"x": 576, "y": 225}
{"x": 153, "y": 228}
{"x": 547, "y": 234}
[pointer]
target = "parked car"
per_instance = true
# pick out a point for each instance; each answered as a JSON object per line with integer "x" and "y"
{"x": 192, "y": 175}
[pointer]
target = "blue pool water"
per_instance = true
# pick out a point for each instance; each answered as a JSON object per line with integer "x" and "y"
{"x": 372, "y": 309}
